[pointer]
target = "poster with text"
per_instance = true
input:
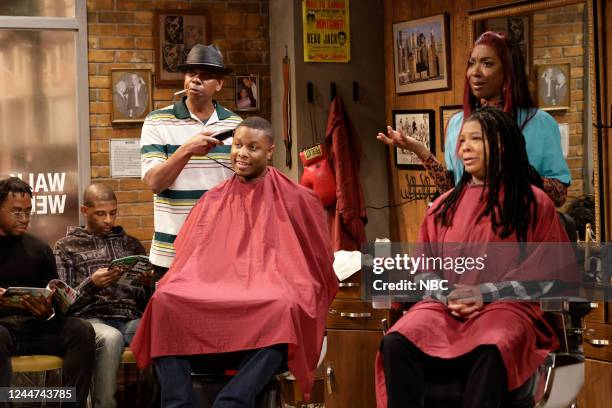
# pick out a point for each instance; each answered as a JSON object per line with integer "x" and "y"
{"x": 327, "y": 36}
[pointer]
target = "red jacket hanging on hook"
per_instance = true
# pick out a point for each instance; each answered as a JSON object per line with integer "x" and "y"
{"x": 347, "y": 221}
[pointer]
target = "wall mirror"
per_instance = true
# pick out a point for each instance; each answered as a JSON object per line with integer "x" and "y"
{"x": 557, "y": 40}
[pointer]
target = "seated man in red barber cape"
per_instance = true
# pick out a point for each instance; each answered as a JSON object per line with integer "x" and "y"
{"x": 253, "y": 274}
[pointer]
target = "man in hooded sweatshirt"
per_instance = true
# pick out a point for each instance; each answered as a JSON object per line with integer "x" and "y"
{"x": 83, "y": 258}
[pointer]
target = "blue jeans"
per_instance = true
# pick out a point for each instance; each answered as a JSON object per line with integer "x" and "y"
{"x": 256, "y": 369}
{"x": 111, "y": 337}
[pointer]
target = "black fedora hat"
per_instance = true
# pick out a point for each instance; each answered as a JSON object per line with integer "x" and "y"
{"x": 205, "y": 57}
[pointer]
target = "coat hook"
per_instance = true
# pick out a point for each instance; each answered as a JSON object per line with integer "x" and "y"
{"x": 355, "y": 91}
{"x": 603, "y": 125}
{"x": 309, "y": 92}
{"x": 332, "y": 90}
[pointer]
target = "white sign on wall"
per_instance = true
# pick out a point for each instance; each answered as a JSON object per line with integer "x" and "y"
{"x": 125, "y": 158}
{"x": 564, "y": 130}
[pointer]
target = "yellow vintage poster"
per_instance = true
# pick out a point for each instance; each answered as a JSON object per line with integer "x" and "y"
{"x": 327, "y": 36}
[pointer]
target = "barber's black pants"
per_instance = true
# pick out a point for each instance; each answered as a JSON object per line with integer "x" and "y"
{"x": 159, "y": 272}
{"x": 407, "y": 369}
{"x": 71, "y": 338}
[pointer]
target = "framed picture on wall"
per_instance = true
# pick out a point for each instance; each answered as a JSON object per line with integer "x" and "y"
{"x": 174, "y": 33}
{"x": 420, "y": 125}
{"x": 247, "y": 92}
{"x": 446, "y": 112}
{"x": 553, "y": 86}
{"x": 422, "y": 54}
{"x": 131, "y": 97}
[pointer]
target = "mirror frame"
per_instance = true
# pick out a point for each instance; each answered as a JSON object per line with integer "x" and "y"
{"x": 527, "y": 6}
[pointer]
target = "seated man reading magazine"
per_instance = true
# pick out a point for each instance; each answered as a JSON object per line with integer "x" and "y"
{"x": 32, "y": 326}
{"x": 83, "y": 258}
{"x": 253, "y": 274}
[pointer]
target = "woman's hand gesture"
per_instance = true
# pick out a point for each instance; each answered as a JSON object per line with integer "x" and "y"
{"x": 397, "y": 138}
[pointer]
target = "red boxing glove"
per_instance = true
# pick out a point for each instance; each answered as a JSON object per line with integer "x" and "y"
{"x": 318, "y": 174}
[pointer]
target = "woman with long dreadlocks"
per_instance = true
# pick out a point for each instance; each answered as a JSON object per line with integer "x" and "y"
{"x": 496, "y": 346}
{"x": 495, "y": 76}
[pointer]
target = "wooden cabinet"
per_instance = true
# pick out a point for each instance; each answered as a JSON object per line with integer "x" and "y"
{"x": 354, "y": 331}
{"x": 597, "y": 389}
{"x": 349, "y": 368}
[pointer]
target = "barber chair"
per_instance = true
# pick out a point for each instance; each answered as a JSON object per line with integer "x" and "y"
{"x": 208, "y": 377}
{"x": 559, "y": 379}
{"x": 207, "y": 386}
{"x": 208, "y": 381}
{"x": 570, "y": 226}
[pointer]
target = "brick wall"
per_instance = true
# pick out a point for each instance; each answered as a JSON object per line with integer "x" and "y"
{"x": 558, "y": 37}
{"x": 120, "y": 35}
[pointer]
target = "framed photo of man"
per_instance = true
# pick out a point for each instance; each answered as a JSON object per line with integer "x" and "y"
{"x": 553, "y": 86}
{"x": 420, "y": 125}
{"x": 247, "y": 92}
{"x": 131, "y": 95}
{"x": 174, "y": 33}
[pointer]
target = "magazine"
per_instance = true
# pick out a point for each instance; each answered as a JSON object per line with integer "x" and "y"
{"x": 136, "y": 270}
{"x": 63, "y": 295}
{"x": 11, "y": 298}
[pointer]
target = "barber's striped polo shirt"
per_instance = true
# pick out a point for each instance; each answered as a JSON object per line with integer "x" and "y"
{"x": 163, "y": 132}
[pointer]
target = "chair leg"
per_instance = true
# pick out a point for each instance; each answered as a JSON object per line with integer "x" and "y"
{"x": 44, "y": 401}
{"x": 139, "y": 386}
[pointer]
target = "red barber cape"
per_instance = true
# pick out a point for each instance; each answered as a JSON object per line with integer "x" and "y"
{"x": 518, "y": 329}
{"x": 253, "y": 268}
{"x": 347, "y": 221}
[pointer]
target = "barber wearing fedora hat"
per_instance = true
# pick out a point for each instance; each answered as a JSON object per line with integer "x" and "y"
{"x": 185, "y": 148}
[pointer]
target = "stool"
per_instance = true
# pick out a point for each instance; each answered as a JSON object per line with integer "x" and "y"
{"x": 128, "y": 358}
{"x": 35, "y": 364}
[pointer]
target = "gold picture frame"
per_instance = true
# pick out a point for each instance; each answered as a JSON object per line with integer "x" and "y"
{"x": 132, "y": 98}
{"x": 419, "y": 124}
{"x": 422, "y": 54}
{"x": 247, "y": 95}
{"x": 175, "y": 32}
{"x": 553, "y": 86}
{"x": 446, "y": 112}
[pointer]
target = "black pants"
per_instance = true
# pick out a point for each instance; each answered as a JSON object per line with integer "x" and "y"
{"x": 159, "y": 272}
{"x": 408, "y": 369}
{"x": 69, "y": 337}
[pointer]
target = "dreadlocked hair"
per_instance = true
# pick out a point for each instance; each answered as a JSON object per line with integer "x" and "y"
{"x": 508, "y": 171}
{"x": 13, "y": 185}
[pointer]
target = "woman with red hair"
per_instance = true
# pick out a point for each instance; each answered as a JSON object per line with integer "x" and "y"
{"x": 495, "y": 76}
